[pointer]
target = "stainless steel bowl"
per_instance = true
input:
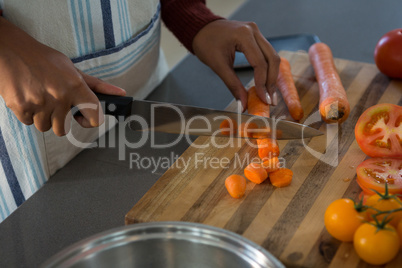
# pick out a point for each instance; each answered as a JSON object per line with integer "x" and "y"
{"x": 165, "y": 244}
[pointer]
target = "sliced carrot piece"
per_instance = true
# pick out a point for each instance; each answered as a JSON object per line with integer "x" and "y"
{"x": 267, "y": 148}
{"x": 271, "y": 165}
{"x": 228, "y": 127}
{"x": 236, "y": 185}
{"x": 247, "y": 129}
{"x": 255, "y": 173}
{"x": 281, "y": 177}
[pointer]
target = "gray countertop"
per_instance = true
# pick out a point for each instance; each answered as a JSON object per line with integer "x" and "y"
{"x": 95, "y": 190}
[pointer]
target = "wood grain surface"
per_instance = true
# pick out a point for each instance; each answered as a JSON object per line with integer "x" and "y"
{"x": 288, "y": 222}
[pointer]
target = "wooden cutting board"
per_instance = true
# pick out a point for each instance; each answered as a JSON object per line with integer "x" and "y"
{"x": 288, "y": 222}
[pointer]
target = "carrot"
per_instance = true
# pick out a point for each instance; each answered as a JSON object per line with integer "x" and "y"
{"x": 255, "y": 105}
{"x": 334, "y": 105}
{"x": 261, "y": 135}
{"x": 236, "y": 185}
{"x": 247, "y": 129}
{"x": 281, "y": 178}
{"x": 288, "y": 90}
{"x": 271, "y": 165}
{"x": 267, "y": 148}
{"x": 228, "y": 127}
{"x": 251, "y": 129}
{"x": 265, "y": 132}
{"x": 255, "y": 173}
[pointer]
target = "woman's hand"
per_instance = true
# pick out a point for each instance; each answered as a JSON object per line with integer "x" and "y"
{"x": 216, "y": 44}
{"x": 40, "y": 84}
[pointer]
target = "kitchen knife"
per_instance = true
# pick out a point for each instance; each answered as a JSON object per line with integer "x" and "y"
{"x": 182, "y": 119}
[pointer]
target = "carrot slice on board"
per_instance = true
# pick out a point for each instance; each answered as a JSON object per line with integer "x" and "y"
{"x": 236, "y": 185}
{"x": 271, "y": 165}
{"x": 281, "y": 178}
{"x": 255, "y": 173}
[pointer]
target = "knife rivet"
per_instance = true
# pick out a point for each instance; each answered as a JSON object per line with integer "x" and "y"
{"x": 111, "y": 107}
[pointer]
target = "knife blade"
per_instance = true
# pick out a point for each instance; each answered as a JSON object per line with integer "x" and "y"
{"x": 143, "y": 115}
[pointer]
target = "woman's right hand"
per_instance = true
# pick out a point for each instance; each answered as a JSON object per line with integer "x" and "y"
{"x": 40, "y": 84}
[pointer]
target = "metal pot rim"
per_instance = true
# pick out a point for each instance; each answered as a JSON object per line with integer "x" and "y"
{"x": 176, "y": 230}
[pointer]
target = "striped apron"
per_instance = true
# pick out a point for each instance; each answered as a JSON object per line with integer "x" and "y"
{"x": 115, "y": 40}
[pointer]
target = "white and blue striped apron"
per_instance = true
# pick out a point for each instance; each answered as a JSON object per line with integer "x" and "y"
{"x": 115, "y": 40}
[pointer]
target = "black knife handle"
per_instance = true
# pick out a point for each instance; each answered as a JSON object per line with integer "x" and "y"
{"x": 113, "y": 105}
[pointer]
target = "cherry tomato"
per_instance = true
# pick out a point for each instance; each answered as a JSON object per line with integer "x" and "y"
{"x": 388, "y": 54}
{"x": 342, "y": 219}
{"x": 377, "y": 202}
{"x": 375, "y": 172}
{"x": 399, "y": 231}
{"x": 379, "y": 131}
{"x": 376, "y": 245}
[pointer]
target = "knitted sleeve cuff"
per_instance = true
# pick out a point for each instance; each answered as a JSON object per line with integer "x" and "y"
{"x": 185, "y": 18}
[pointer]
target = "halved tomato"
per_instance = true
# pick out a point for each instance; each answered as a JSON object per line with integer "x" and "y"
{"x": 379, "y": 131}
{"x": 375, "y": 172}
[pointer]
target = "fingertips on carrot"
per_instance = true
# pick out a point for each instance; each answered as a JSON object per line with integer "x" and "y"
{"x": 255, "y": 105}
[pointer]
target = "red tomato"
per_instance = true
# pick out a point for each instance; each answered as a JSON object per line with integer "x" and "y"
{"x": 375, "y": 172}
{"x": 388, "y": 54}
{"x": 379, "y": 131}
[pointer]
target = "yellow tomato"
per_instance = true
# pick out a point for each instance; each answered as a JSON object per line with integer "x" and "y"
{"x": 399, "y": 231}
{"x": 381, "y": 204}
{"x": 376, "y": 246}
{"x": 342, "y": 219}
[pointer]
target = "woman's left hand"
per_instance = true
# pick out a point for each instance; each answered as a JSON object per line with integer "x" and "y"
{"x": 216, "y": 44}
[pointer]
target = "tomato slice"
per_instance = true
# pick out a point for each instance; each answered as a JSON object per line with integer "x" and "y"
{"x": 375, "y": 172}
{"x": 379, "y": 131}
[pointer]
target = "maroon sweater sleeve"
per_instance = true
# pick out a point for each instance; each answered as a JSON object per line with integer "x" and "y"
{"x": 185, "y": 18}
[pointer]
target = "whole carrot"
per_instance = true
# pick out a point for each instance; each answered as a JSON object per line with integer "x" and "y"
{"x": 236, "y": 185}
{"x": 288, "y": 90}
{"x": 255, "y": 105}
{"x": 334, "y": 105}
